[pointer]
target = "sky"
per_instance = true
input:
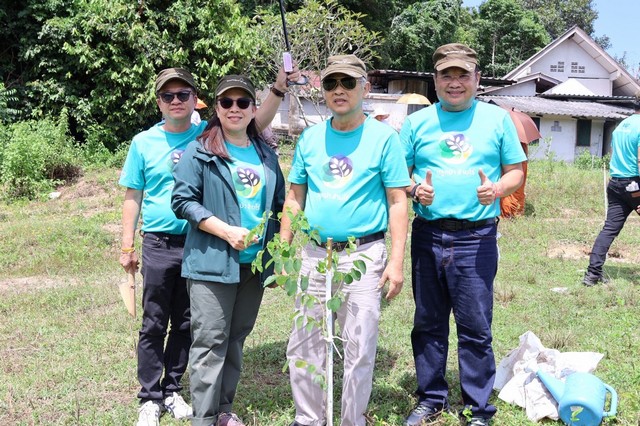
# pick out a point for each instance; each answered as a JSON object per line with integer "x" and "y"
{"x": 619, "y": 20}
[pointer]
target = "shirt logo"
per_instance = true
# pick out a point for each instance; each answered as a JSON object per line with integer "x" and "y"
{"x": 338, "y": 171}
{"x": 247, "y": 182}
{"x": 454, "y": 148}
{"x": 174, "y": 157}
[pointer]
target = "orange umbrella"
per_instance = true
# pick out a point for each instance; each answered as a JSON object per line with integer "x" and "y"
{"x": 200, "y": 104}
{"x": 526, "y": 127}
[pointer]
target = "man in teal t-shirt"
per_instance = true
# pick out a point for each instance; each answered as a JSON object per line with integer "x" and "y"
{"x": 463, "y": 155}
{"x": 623, "y": 191}
{"x": 348, "y": 175}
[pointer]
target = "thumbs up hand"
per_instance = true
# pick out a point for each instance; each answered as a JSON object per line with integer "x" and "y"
{"x": 486, "y": 190}
{"x": 425, "y": 192}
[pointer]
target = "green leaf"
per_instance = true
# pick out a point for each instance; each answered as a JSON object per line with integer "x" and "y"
{"x": 361, "y": 265}
{"x": 304, "y": 282}
{"x": 334, "y": 304}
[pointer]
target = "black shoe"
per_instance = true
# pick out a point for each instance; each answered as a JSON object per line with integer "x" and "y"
{"x": 590, "y": 280}
{"x": 478, "y": 421}
{"x": 423, "y": 413}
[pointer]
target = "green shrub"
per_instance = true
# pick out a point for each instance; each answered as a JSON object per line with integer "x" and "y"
{"x": 6, "y": 96}
{"x": 586, "y": 161}
{"x": 37, "y": 156}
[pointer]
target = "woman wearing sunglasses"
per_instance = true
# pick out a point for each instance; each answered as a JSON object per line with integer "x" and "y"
{"x": 226, "y": 180}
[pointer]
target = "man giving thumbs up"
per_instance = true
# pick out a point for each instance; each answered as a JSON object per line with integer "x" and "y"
{"x": 463, "y": 156}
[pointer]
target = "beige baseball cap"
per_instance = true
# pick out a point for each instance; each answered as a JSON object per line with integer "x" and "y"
{"x": 455, "y": 55}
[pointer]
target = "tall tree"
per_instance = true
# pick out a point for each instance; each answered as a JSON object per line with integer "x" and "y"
{"x": 317, "y": 30}
{"x": 418, "y": 31}
{"x": 506, "y": 34}
{"x": 98, "y": 58}
{"x": 558, "y": 16}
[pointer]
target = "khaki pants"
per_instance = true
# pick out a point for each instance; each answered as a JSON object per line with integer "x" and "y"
{"x": 358, "y": 320}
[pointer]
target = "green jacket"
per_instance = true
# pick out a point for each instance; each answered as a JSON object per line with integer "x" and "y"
{"x": 204, "y": 188}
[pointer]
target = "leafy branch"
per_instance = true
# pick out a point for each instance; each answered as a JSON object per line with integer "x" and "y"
{"x": 286, "y": 260}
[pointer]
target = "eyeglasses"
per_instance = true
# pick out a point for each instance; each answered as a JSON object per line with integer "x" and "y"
{"x": 349, "y": 83}
{"x": 243, "y": 103}
{"x": 183, "y": 96}
{"x": 462, "y": 78}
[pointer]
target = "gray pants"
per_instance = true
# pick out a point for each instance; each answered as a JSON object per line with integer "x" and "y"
{"x": 222, "y": 316}
{"x": 358, "y": 319}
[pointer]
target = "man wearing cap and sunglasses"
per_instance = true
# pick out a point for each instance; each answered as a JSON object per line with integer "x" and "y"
{"x": 147, "y": 176}
{"x": 349, "y": 177}
{"x": 463, "y": 155}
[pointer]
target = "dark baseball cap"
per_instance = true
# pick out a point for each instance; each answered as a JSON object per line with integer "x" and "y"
{"x": 236, "y": 82}
{"x": 455, "y": 55}
{"x": 350, "y": 65}
{"x": 169, "y": 74}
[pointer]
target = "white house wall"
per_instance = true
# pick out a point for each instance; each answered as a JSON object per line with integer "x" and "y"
{"x": 563, "y": 137}
{"x": 594, "y": 76}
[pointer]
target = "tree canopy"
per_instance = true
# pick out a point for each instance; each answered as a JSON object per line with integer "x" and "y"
{"x": 98, "y": 58}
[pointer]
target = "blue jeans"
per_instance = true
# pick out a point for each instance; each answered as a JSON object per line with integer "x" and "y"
{"x": 620, "y": 205}
{"x": 454, "y": 271}
{"x": 164, "y": 300}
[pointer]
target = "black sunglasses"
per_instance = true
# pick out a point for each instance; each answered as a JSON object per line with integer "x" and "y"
{"x": 243, "y": 103}
{"x": 349, "y": 83}
{"x": 183, "y": 96}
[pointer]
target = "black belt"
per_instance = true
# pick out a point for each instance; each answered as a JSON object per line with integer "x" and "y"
{"x": 450, "y": 224}
{"x": 623, "y": 179}
{"x": 341, "y": 245}
{"x": 174, "y": 238}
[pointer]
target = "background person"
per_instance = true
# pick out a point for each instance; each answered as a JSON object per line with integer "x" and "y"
{"x": 463, "y": 155}
{"x": 223, "y": 187}
{"x": 147, "y": 176}
{"x": 623, "y": 191}
{"x": 347, "y": 167}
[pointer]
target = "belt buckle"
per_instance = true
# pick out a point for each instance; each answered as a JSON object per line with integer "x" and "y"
{"x": 340, "y": 246}
{"x": 450, "y": 225}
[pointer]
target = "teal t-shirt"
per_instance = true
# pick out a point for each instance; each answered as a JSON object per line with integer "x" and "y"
{"x": 454, "y": 146}
{"x": 625, "y": 142}
{"x": 346, "y": 174}
{"x": 149, "y": 167}
{"x": 248, "y": 180}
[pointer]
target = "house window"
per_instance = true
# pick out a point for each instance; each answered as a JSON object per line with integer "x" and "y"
{"x": 559, "y": 67}
{"x": 583, "y": 133}
{"x": 556, "y": 127}
{"x": 577, "y": 69}
{"x": 536, "y": 141}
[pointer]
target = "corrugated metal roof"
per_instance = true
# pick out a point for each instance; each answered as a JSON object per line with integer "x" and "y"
{"x": 541, "y": 106}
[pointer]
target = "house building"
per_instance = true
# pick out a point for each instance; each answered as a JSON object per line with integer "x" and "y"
{"x": 573, "y": 90}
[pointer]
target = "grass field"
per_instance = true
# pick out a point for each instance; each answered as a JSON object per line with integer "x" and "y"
{"x": 67, "y": 345}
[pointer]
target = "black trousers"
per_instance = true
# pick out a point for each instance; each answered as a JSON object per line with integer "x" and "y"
{"x": 620, "y": 204}
{"x": 165, "y": 304}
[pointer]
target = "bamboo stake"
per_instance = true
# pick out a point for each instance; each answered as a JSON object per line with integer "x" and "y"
{"x": 329, "y": 337}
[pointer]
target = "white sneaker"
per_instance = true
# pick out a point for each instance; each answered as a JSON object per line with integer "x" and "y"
{"x": 149, "y": 414}
{"x": 177, "y": 407}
